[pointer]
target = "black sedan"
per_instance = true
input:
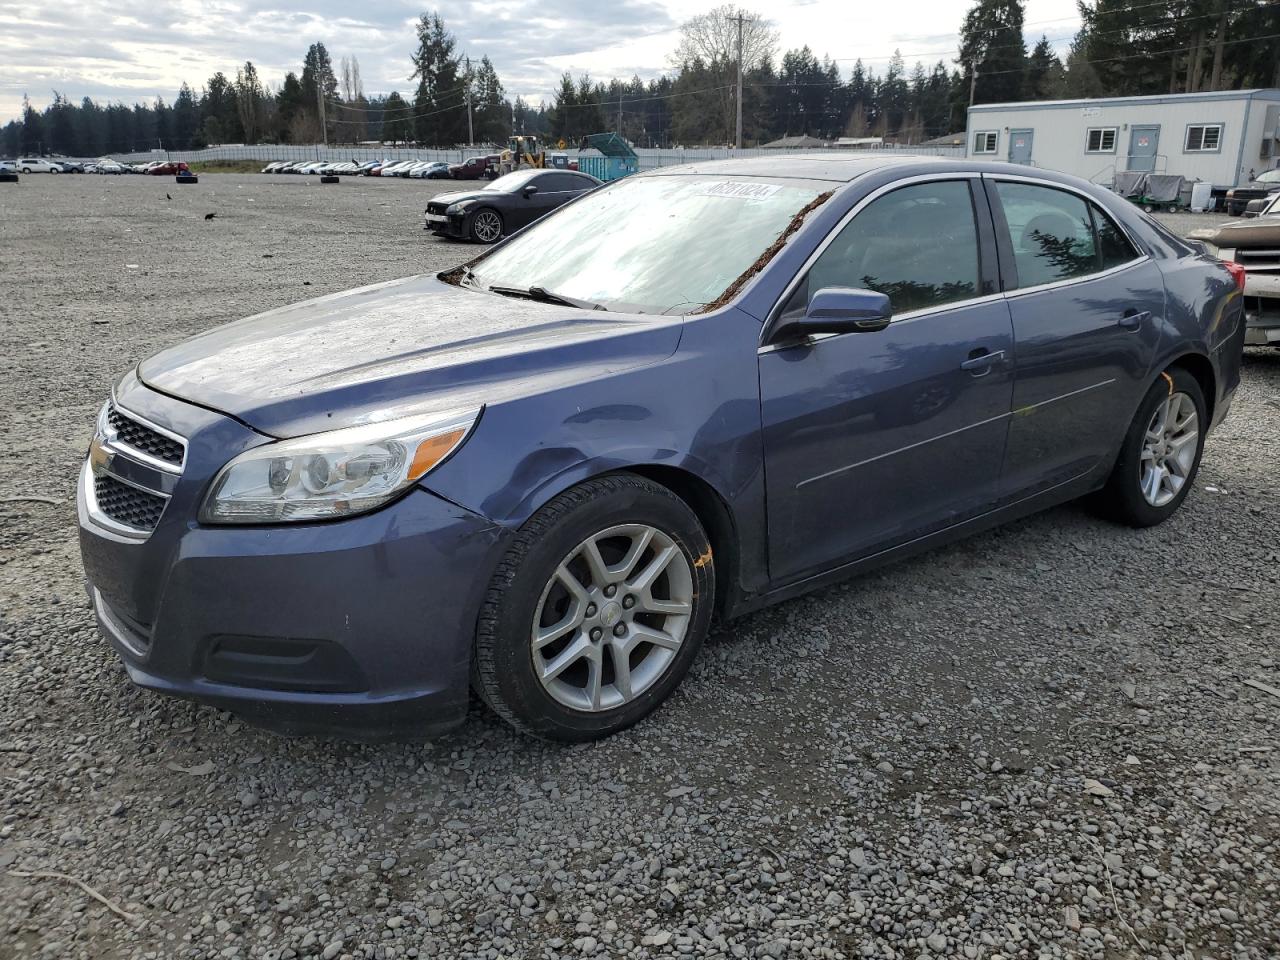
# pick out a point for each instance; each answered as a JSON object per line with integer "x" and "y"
{"x": 1261, "y": 187}
{"x": 506, "y": 204}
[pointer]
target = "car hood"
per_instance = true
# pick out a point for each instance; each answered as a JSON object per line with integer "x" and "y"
{"x": 395, "y": 349}
{"x": 459, "y": 195}
{"x": 1263, "y": 231}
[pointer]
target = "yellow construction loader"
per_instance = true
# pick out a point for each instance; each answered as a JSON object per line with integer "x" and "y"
{"x": 522, "y": 153}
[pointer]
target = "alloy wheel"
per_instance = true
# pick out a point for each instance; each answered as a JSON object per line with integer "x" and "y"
{"x": 612, "y": 617}
{"x": 1169, "y": 449}
{"x": 487, "y": 226}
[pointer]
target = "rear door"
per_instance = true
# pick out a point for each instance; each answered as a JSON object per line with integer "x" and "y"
{"x": 877, "y": 438}
{"x": 1087, "y": 307}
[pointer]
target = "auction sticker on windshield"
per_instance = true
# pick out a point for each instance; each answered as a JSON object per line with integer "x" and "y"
{"x": 740, "y": 191}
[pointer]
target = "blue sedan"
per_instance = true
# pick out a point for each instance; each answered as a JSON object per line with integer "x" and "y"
{"x": 686, "y": 394}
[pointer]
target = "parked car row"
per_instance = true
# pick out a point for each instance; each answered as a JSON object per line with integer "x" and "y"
{"x": 105, "y": 166}
{"x": 473, "y": 168}
{"x": 417, "y": 169}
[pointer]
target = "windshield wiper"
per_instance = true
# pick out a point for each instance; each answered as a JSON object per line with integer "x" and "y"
{"x": 543, "y": 295}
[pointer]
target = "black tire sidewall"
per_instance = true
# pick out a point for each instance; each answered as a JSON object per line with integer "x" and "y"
{"x": 1124, "y": 491}
{"x": 610, "y": 501}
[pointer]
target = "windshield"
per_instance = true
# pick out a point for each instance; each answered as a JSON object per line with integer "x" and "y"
{"x": 512, "y": 181}
{"x": 662, "y": 244}
{"x": 1271, "y": 176}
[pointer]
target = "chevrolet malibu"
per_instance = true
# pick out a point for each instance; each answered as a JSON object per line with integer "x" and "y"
{"x": 685, "y": 395}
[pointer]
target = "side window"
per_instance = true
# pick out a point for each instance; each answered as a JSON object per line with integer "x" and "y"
{"x": 562, "y": 182}
{"x": 1052, "y": 233}
{"x": 1115, "y": 248}
{"x": 918, "y": 244}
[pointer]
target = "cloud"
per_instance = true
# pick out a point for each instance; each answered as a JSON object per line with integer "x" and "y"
{"x": 139, "y": 49}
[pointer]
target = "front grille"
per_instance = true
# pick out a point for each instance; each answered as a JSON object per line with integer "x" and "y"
{"x": 433, "y": 207}
{"x": 126, "y": 504}
{"x": 1258, "y": 261}
{"x": 131, "y": 433}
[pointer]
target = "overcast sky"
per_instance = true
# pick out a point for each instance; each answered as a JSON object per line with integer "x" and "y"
{"x": 134, "y": 50}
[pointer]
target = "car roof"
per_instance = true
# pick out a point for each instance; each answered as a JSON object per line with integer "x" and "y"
{"x": 826, "y": 165}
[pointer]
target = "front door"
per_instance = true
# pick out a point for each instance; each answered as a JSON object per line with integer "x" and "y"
{"x": 1143, "y": 143}
{"x": 1086, "y": 307}
{"x": 1020, "y": 146}
{"x": 876, "y": 438}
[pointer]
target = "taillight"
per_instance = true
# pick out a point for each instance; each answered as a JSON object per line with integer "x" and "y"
{"x": 1237, "y": 273}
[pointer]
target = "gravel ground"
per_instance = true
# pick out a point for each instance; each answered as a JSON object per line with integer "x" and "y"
{"x": 1035, "y": 743}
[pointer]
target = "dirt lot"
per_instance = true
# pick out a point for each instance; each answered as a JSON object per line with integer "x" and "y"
{"x": 1034, "y": 743}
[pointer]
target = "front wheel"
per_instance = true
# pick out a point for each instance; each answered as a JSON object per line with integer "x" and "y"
{"x": 54, "y": 170}
{"x": 597, "y": 611}
{"x": 1161, "y": 453}
{"x": 486, "y": 226}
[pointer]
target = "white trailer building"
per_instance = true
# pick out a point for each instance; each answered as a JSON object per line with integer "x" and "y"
{"x": 1222, "y": 136}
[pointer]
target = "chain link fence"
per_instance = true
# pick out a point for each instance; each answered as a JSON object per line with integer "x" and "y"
{"x": 650, "y": 158}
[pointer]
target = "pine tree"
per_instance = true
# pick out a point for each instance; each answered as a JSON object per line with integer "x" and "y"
{"x": 440, "y": 101}
{"x": 991, "y": 45}
{"x": 1044, "y": 72}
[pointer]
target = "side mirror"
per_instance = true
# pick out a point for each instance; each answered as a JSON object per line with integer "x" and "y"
{"x": 529, "y": 191}
{"x": 838, "y": 310}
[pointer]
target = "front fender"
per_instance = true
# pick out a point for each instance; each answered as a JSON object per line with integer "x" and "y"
{"x": 698, "y": 412}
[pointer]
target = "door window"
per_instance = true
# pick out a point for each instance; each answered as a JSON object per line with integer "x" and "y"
{"x": 1114, "y": 248}
{"x": 918, "y": 245}
{"x": 1051, "y": 231}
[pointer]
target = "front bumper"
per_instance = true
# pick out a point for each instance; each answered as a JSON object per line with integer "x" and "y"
{"x": 447, "y": 226}
{"x": 359, "y": 627}
{"x": 1262, "y": 309}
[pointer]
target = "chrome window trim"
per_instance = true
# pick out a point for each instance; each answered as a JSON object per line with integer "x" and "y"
{"x": 955, "y": 304}
{"x": 835, "y": 231}
{"x": 1072, "y": 281}
{"x": 142, "y": 455}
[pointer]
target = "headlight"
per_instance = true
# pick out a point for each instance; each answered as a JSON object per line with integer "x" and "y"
{"x": 455, "y": 208}
{"x": 334, "y": 474}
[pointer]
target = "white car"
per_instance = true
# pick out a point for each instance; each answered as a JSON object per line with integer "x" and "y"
{"x": 36, "y": 165}
{"x": 107, "y": 165}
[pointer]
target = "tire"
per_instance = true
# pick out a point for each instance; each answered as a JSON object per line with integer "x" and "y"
{"x": 26, "y": 170}
{"x": 532, "y": 592}
{"x": 486, "y": 226}
{"x": 54, "y": 170}
{"x": 1124, "y": 498}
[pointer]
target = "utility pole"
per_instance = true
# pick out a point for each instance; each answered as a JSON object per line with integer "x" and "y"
{"x": 324, "y": 127}
{"x": 471, "y": 136}
{"x": 740, "y": 20}
{"x": 620, "y": 113}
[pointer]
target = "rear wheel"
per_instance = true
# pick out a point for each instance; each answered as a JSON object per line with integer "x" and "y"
{"x": 1161, "y": 453}
{"x": 486, "y": 226}
{"x": 597, "y": 611}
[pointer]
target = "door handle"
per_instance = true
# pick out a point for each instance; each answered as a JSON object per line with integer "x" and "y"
{"x": 1133, "y": 319}
{"x": 981, "y": 361}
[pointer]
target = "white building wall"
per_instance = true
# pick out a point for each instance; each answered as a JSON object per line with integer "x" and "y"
{"x": 1060, "y": 128}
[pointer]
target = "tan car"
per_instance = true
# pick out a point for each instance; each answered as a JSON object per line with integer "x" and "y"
{"x": 1255, "y": 245}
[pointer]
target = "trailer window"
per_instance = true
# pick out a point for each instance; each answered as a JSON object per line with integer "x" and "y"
{"x": 1204, "y": 138}
{"x": 1100, "y": 140}
{"x": 985, "y": 141}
